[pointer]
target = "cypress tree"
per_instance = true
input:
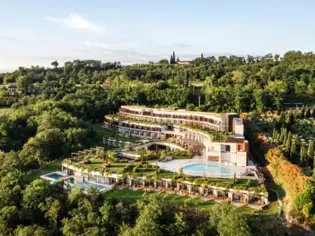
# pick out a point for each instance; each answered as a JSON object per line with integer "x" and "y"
{"x": 293, "y": 147}
{"x": 302, "y": 112}
{"x": 201, "y": 56}
{"x": 171, "y": 60}
{"x": 282, "y": 118}
{"x": 307, "y": 113}
{"x": 297, "y": 112}
{"x": 303, "y": 154}
{"x": 290, "y": 118}
{"x": 283, "y": 134}
{"x": 274, "y": 133}
{"x": 278, "y": 138}
{"x": 173, "y": 57}
{"x": 290, "y": 136}
{"x": 288, "y": 143}
{"x": 285, "y": 140}
{"x": 186, "y": 79}
{"x": 310, "y": 150}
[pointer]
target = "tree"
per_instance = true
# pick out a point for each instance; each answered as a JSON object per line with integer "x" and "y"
{"x": 23, "y": 83}
{"x": 173, "y": 57}
{"x": 277, "y": 89}
{"x": 218, "y": 212}
{"x": 186, "y": 79}
{"x": 147, "y": 222}
{"x": 303, "y": 154}
{"x": 8, "y": 219}
{"x": 234, "y": 224}
{"x": 310, "y": 150}
{"x": 55, "y": 64}
{"x": 288, "y": 142}
{"x": 180, "y": 226}
{"x": 293, "y": 148}
{"x": 300, "y": 88}
{"x": 290, "y": 118}
{"x": 31, "y": 230}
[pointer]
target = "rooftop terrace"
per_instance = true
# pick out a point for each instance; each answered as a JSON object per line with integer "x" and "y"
{"x": 177, "y": 111}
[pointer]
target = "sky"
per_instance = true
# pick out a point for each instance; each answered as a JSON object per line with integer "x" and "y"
{"x": 37, "y": 32}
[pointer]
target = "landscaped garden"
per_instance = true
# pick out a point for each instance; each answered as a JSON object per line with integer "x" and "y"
{"x": 108, "y": 164}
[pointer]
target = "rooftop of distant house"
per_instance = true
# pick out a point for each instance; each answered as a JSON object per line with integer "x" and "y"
{"x": 185, "y": 62}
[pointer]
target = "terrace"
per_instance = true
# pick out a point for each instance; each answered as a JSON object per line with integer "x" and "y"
{"x": 214, "y": 121}
{"x": 124, "y": 122}
{"x": 105, "y": 171}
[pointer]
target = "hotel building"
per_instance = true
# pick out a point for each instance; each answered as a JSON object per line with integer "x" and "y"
{"x": 201, "y": 131}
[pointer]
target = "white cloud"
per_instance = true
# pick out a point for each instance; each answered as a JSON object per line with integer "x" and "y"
{"x": 4, "y": 37}
{"x": 96, "y": 44}
{"x": 77, "y": 22}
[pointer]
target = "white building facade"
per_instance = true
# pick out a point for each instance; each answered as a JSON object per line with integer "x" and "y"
{"x": 188, "y": 128}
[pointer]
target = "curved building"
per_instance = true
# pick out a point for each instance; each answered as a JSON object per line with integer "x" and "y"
{"x": 214, "y": 136}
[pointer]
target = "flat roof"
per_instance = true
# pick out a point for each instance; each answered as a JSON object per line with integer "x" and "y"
{"x": 179, "y": 111}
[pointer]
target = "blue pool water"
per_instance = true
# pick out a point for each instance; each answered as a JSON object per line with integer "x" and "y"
{"x": 201, "y": 168}
{"x": 55, "y": 176}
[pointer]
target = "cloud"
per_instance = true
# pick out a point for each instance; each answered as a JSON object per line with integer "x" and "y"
{"x": 77, "y": 22}
{"x": 4, "y": 37}
{"x": 181, "y": 45}
{"x": 116, "y": 52}
{"x": 96, "y": 44}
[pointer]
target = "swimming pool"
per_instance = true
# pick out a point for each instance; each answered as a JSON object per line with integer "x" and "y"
{"x": 208, "y": 169}
{"x": 55, "y": 176}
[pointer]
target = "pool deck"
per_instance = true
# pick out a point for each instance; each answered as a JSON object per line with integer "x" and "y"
{"x": 174, "y": 166}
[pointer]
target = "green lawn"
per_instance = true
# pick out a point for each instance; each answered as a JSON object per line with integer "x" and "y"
{"x": 48, "y": 167}
{"x": 173, "y": 199}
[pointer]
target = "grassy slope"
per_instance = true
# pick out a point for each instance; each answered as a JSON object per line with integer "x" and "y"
{"x": 48, "y": 167}
{"x": 173, "y": 199}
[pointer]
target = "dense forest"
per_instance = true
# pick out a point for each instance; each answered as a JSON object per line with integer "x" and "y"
{"x": 56, "y": 110}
